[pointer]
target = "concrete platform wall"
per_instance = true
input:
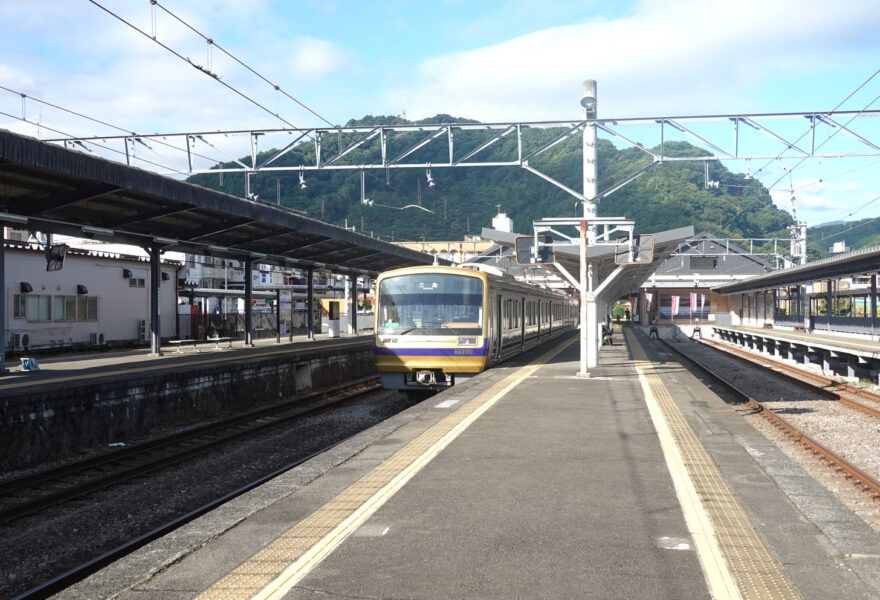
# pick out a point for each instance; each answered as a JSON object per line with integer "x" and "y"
{"x": 64, "y": 419}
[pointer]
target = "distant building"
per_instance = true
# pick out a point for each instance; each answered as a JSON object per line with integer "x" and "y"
{"x": 457, "y": 252}
{"x": 838, "y": 248}
{"x": 96, "y": 298}
{"x": 501, "y": 222}
{"x": 684, "y": 280}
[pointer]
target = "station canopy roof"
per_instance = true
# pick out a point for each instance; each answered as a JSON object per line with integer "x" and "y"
{"x": 858, "y": 262}
{"x": 631, "y": 276}
{"x": 51, "y": 189}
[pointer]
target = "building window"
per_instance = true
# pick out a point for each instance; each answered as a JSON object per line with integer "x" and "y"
{"x": 64, "y": 308}
{"x": 136, "y": 282}
{"x": 704, "y": 263}
{"x": 75, "y": 308}
{"x": 38, "y": 308}
{"x": 87, "y": 308}
{"x": 19, "y": 306}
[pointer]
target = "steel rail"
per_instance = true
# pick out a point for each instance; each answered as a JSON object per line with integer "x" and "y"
{"x": 317, "y": 403}
{"x": 835, "y": 389}
{"x": 861, "y": 479}
{"x": 71, "y": 576}
{"x": 9, "y": 487}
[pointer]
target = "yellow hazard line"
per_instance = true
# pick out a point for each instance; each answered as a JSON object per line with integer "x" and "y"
{"x": 736, "y": 563}
{"x": 277, "y": 568}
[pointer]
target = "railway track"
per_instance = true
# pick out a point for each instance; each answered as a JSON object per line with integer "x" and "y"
{"x": 246, "y": 425}
{"x": 32, "y": 494}
{"x": 844, "y": 393}
{"x": 852, "y": 472}
{"x": 80, "y": 572}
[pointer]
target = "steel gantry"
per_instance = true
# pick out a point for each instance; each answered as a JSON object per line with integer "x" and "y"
{"x": 722, "y": 137}
{"x": 762, "y": 136}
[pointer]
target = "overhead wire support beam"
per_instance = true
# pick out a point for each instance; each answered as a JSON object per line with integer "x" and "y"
{"x": 560, "y": 138}
{"x": 699, "y": 138}
{"x": 623, "y": 138}
{"x": 484, "y": 145}
{"x": 418, "y": 145}
{"x": 748, "y": 121}
{"x": 631, "y": 177}
{"x": 290, "y": 146}
{"x": 354, "y": 146}
{"x": 688, "y": 126}
{"x": 549, "y": 179}
{"x": 847, "y": 131}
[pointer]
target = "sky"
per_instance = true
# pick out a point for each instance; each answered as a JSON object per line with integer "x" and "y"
{"x": 494, "y": 61}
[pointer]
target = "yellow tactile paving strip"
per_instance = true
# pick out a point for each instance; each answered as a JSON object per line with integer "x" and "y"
{"x": 748, "y": 563}
{"x": 274, "y": 570}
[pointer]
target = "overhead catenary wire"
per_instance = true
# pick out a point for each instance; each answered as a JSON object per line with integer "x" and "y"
{"x": 197, "y": 67}
{"x": 867, "y": 222}
{"x": 839, "y": 104}
{"x": 75, "y": 140}
{"x": 828, "y": 139}
{"x": 214, "y": 44}
{"x": 100, "y": 122}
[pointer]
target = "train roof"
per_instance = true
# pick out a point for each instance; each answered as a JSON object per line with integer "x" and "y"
{"x": 478, "y": 272}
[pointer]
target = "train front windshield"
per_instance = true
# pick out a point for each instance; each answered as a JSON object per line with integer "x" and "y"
{"x": 430, "y": 304}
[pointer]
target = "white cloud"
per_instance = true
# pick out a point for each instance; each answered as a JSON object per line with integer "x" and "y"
{"x": 820, "y": 201}
{"x": 313, "y": 57}
{"x": 667, "y": 58}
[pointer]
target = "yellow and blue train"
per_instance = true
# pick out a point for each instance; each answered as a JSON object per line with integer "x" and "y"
{"x": 437, "y": 325}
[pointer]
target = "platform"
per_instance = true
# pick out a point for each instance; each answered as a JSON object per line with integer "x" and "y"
{"x": 77, "y": 368}
{"x": 529, "y": 482}
{"x": 853, "y": 356}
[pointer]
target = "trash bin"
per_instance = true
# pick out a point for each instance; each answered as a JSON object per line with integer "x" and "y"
{"x": 333, "y": 319}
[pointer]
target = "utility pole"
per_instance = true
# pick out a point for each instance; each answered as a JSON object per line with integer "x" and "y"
{"x": 588, "y": 317}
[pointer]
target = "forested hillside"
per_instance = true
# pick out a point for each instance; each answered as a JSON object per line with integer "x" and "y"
{"x": 464, "y": 200}
{"x": 856, "y": 234}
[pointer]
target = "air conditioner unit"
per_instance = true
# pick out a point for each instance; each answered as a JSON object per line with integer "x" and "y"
{"x": 97, "y": 339}
{"x": 20, "y": 341}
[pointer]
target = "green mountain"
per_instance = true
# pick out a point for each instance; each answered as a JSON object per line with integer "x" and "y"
{"x": 856, "y": 234}
{"x": 465, "y": 199}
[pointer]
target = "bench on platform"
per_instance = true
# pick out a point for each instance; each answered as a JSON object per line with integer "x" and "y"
{"x": 179, "y": 343}
{"x": 217, "y": 341}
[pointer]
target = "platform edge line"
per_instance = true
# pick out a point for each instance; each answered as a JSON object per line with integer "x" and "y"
{"x": 716, "y": 570}
{"x": 293, "y": 574}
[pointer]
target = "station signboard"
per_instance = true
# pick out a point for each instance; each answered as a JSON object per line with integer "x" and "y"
{"x": 525, "y": 254}
{"x": 640, "y": 252}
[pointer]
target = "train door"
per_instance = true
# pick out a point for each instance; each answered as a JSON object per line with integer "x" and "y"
{"x": 498, "y": 338}
{"x": 522, "y": 322}
{"x": 540, "y": 317}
